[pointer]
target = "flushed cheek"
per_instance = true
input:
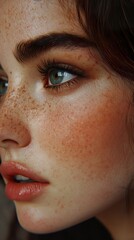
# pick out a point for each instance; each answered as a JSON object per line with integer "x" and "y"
{"x": 84, "y": 135}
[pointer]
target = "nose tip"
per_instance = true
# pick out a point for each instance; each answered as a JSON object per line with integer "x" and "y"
{"x": 12, "y": 138}
{"x": 13, "y": 132}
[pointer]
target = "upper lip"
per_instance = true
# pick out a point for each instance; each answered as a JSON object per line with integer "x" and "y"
{"x": 11, "y": 169}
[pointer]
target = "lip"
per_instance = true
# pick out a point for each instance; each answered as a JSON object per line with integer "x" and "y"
{"x": 18, "y": 191}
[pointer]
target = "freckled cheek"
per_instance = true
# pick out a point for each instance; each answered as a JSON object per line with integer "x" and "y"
{"x": 83, "y": 136}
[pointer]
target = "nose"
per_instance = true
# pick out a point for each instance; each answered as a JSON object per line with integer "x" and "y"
{"x": 14, "y": 131}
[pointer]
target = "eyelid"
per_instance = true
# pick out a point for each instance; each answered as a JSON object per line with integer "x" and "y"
{"x": 48, "y": 65}
{"x": 4, "y": 78}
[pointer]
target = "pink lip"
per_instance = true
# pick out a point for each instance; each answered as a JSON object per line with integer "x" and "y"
{"x": 19, "y": 191}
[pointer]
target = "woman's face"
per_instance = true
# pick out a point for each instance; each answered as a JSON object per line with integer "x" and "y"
{"x": 63, "y": 119}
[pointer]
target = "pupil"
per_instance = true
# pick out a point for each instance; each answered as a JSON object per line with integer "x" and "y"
{"x": 56, "y": 76}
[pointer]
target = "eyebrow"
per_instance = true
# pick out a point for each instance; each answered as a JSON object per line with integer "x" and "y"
{"x": 27, "y": 50}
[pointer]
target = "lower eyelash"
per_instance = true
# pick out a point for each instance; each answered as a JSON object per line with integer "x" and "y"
{"x": 64, "y": 86}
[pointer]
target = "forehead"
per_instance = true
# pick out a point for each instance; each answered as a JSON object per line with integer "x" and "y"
{"x": 21, "y": 20}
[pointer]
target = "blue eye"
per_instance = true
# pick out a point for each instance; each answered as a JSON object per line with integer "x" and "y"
{"x": 3, "y": 86}
{"x": 58, "y": 77}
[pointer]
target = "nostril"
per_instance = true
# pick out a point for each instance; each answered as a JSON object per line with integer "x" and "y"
{"x": 8, "y": 142}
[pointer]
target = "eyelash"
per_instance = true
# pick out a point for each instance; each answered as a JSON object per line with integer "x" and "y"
{"x": 46, "y": 68}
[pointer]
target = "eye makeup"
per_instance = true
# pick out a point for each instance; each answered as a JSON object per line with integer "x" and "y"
{"x": 59, "y": 76}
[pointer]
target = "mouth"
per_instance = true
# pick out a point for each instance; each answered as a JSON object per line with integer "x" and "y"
{"x": 22, "y": 179}
{"x": 22, "y": 184}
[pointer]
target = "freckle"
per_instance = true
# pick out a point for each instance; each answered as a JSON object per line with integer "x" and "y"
{"x": 79, "y": 57}
{"x": 60, "y": 204}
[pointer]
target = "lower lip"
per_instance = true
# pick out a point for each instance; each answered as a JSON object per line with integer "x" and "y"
{"x": 24, "y": 191}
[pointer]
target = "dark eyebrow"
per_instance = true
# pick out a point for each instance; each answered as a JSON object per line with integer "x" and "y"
{"x": 32, "y": 48}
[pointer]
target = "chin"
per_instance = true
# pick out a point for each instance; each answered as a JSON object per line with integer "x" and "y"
{"x": 43, "y": 222}
{"x": 35, "y": 221}
{"x": 45, "y": 227}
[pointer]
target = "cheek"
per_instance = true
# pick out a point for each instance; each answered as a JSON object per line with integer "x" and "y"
{"x": 83, "y": 136}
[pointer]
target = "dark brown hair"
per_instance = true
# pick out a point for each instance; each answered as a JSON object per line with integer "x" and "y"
{"x": 110, "y": 24}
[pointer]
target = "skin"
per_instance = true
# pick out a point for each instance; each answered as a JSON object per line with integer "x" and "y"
{"x": 76, "y": 137}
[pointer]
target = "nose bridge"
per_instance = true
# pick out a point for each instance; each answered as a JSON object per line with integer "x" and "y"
{"x": 15, "y": 100}
{"x": 13, "y": 119}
